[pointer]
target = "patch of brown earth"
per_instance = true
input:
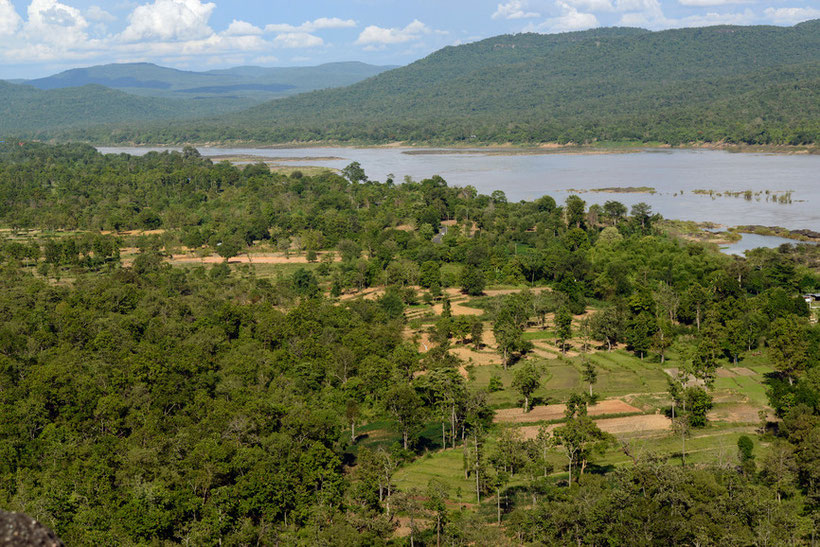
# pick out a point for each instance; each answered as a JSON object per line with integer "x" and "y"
{"x": 556, "y": 412}
{"x": 472, "y": 357}
{"x": 615, "y": 426}
{"x": 246, "y": 259}
{"x": 739, "y": 413}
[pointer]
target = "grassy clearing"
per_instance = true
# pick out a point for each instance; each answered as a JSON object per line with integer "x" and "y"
{"x": 446, "y": 466}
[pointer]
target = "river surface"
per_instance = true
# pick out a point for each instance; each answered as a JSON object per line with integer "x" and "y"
{"x": 755, "y": 241}
{"x": 675, "y": 174}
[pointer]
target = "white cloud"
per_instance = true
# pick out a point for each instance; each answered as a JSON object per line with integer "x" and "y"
{"x": 710, "y": 3}
{"x": 215, "y": 44}
{"x": 56, "y": 24}
{"x": 375, "y": 37}
{"x": 642, "y": 13}
{"x": 312, "y": 26}
{"x": 9, "y": 20}
{"x": 571, "y": 19}
{"x": 568, "y": 18}
{"x": 649, "y": 14}
{"x": 790, "y": 16}
{"x": 297, "y": 40}
{"x": 591, "y": 5}
{"x": 242, "y": 28}
{"x": 96, "y": 13}
{"x": 712, "y": 18}
{"x": 329, "y": 22}
{"x": 169, "y": 20}
{"x": 514, "y": 9}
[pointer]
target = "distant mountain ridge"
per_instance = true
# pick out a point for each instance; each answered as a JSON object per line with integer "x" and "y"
{"x": 754, "y": 84}
{"x": 258, "y": 83}
{"x": 751, "y": 84}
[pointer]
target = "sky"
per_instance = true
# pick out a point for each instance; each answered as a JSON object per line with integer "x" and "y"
{"x": 42, "y": 37}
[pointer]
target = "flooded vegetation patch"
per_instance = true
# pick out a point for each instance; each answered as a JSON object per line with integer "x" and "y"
{"x": 783, "y": 197}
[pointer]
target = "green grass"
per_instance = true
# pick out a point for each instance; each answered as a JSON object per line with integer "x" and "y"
{"x": 272, "y": 271}
{"x": 620, "y": 373}
{"x": 539, "y": 335}
{"x": 446, "y": 466}
{"x": 714, "y": 443}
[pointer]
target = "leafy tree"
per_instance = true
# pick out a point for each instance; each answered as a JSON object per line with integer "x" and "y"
{"x": 526, "y": 380}
{"x": 639, "y": 333}
{"x": 472, "y": 280}
{"x": 642, "y": 214}
{"x": 745, "y": 450}
{"x": 575, "y": 211}
{"x": 615, "y": 210}
{"x": 708, "y": 350}
{"x": 563, "y": 327}
{"x": 734, "y": 340}
{"x": 580, "y": 438}
{"x": 437, "y": 503}
{"x": 477, "y": 333}
{"x": 305, "y": 282}
{"x": 590, "y": 374}
{"x": 607, "y": 326}
{"x": 663, "y": 338}
{"x": 354, "y": 173}
{"x": 407, "y": 408}
{"x": 788, "y": 346}
{"x": 229, "y": 247}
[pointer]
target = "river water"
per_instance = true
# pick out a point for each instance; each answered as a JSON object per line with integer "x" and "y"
{"x": 675, "y": 175}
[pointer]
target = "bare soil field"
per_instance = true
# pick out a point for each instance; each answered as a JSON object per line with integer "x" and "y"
{"x": 556, "y": 412}
{"x": 245, "y": 259}
{"x": 615, "y": 426}
{"x": 477, "y": 358}
{"x": 739, "y": 413}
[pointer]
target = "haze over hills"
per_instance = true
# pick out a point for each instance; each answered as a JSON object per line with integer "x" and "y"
{"x": 111, "y": 95}
{"x": 258, "y": 83}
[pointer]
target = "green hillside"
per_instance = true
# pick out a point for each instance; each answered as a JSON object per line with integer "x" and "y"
{"x": 25, "y": 110}
{"x": 742, "y": 84}
{"x": 257, "y": 83}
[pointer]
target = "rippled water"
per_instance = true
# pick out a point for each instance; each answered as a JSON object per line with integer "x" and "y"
{"x": 675, "y": 174}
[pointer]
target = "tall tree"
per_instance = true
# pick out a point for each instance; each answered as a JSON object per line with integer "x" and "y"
{"x": 526, "y": 380}
{"x": 563, "y": 327}
{"x": 788, "y": 346}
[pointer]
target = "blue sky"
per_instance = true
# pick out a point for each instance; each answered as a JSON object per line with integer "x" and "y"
{"x": 40, "y": 37}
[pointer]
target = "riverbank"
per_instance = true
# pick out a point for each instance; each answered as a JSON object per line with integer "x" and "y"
{"x": 499, "y": 149}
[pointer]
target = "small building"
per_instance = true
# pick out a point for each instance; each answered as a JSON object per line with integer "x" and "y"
{"x": 812, "y": 299}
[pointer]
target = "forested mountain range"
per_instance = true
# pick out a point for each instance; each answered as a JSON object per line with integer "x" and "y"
{"x": 743, "y": 84}
{"x": 258, "y": 83}
{"x": 756, "y": 85}
{"x": 141, "y": 92}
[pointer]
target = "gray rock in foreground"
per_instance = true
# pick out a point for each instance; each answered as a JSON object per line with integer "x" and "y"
{"x": 19, "y": 530}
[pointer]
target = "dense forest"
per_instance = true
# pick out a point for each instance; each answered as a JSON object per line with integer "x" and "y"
{"x": 754, "y": 85}
{"x": 26, "y": 110}
{"x": 145, "y": 403}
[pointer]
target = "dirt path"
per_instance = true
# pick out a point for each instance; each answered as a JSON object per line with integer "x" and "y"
{"x": 556, "y": 412}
